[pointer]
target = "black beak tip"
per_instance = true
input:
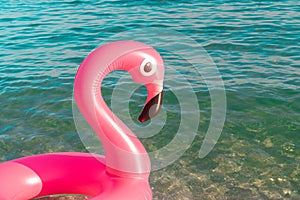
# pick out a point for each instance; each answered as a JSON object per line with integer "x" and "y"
{"x": 151, "y": 109}
{"x": 143, "y": 119}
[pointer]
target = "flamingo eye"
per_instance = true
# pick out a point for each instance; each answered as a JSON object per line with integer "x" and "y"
{"x": 148, "y": 67}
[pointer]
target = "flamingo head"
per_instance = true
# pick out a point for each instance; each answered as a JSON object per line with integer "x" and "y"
{"x": 146, "y": 67}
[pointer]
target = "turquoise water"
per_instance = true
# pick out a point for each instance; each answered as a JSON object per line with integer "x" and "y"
{"x": 255, "y": 46}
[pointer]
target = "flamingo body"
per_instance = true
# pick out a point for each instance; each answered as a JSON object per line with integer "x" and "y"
{"x": 124, "y": 170}
{"x": 65, "y": 173}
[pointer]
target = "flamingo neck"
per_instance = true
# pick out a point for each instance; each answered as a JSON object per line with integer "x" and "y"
{"x": 124, "y": 153}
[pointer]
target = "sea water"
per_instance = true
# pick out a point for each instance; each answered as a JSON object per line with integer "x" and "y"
{"x": 254, "y": 46}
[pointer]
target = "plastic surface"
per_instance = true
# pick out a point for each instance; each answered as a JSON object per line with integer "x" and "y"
{"x": 20, "y": 179}
{"x": 124, "y": 171}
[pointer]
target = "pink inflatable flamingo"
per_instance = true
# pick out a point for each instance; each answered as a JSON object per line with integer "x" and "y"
{"x": 123, "y": 173}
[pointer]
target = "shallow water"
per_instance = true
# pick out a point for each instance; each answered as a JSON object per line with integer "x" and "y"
{"x": 255, "y": 46}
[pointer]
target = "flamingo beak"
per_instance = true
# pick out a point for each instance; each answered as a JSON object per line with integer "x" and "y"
{"x": 152, "y": 105}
